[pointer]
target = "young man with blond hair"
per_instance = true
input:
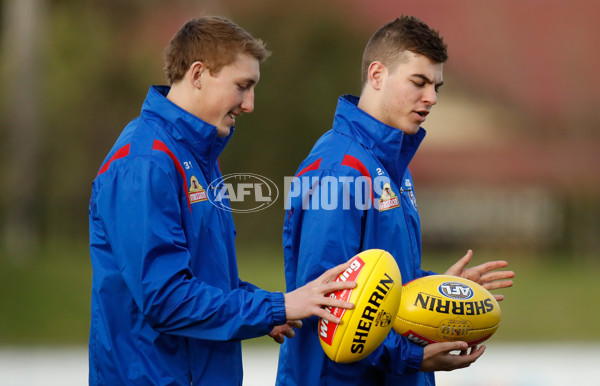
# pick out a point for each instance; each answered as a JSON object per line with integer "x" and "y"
{"x": 367, "y": 152}
{"x": 168, "y": 307}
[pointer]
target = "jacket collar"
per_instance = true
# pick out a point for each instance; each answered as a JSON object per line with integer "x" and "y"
{"x": 392, "y": 147}
{"x": 200, "y": 136}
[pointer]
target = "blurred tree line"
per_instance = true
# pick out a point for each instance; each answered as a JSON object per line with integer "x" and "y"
{"x": 73, "y": 91}
{"x": 89, "y": 71}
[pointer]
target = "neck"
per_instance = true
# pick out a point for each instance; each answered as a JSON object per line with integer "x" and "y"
{"x": 368, "y": 103}
{"x": 181, "y": 97}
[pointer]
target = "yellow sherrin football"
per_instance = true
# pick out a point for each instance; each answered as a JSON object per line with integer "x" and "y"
{"x": 376, "y": 299}
{"x": 443, "y": 308}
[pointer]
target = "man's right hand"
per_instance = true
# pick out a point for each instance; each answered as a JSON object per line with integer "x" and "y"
{"x": 312, "y": 298}
{"x": 438, "y": 356}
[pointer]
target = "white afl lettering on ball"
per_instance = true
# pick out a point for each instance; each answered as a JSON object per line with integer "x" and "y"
{"x": 376, "y": 299}
{"x": 443, "y": 308}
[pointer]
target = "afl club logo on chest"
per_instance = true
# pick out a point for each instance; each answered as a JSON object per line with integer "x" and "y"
{"x": 388, "y": 199}
{"x": 197, "y": 192}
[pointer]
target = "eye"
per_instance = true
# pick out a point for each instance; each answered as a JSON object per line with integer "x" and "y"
{"x": 419, "y": 84}
{"x": 245, "y": 86}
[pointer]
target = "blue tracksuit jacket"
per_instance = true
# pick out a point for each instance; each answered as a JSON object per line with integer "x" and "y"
{"x": 353, "y": 192}
{"x": 168, "y": 307}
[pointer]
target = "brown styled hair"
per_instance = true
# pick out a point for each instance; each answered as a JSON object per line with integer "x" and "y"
{"x": 213, "y": 40}
{"x": 407, "y": 33}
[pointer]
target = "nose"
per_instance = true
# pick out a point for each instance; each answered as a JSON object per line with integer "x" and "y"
{"x": 247, "y": 105}
{"x": 430, "y": 95}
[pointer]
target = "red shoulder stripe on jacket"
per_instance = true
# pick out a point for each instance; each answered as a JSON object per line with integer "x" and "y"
{"x": 122, "y": 152}
{"x": 355, "y": 163}
{"x": 314, "y": 166}
{"x": 158, "y": 145}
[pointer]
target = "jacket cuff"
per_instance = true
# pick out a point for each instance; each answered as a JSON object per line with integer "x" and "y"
{"x": 278, "y": 304}
{"x": 415, "y": 358}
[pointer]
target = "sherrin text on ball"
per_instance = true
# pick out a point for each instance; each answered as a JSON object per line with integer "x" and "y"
{"x": 376, "y": 299}
{"x": 443, "y": 308}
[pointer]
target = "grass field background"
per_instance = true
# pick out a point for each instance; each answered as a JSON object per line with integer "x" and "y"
{"x": 46, "y": 300}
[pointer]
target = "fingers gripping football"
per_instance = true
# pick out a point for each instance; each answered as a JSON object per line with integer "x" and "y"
{"x": 312, "y": 298}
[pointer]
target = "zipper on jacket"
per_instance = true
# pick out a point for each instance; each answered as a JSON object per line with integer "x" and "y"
{"x": 410, "y": 238}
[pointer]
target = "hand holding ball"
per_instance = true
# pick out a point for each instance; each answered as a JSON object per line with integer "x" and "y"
{"x": 376, "y": 300}
{"x": 443, "y": 308}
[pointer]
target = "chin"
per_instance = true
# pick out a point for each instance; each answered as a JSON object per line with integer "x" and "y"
{"x": 223, "y": 132}
{"x": 410, "y": 130}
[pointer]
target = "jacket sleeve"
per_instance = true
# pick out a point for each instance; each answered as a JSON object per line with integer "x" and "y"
{"x": 397, "y": 355}
{"x": 316, "y": 239}
{"x": 247, "y": 286}
{"x": 139, "y": 207}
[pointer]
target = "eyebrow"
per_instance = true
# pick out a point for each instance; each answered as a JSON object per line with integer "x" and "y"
{"x": 249, "y": 79}
{"x": 427, "y": 80}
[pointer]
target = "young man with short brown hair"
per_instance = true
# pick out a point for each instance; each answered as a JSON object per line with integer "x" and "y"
{"x": 168, "y": 306}
{"x": 372, "y": 205}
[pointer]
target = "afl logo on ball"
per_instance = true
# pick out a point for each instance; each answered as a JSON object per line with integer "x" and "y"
{"x": 455, "y": 290}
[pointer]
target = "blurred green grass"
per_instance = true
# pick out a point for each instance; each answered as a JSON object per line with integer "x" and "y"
{"x": 45, "y": 300}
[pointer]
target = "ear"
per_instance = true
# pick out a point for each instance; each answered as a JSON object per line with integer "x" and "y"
{"x": 195, "y": 73}
{"x": 376, "y": 72}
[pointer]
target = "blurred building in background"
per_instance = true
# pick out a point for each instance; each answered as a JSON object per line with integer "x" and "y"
{"x": 513, "y": 148}
{"x": 513, "y": 152}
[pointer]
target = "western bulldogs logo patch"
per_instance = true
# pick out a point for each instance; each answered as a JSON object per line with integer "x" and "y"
{"x": 196, "y": 192}
{"x": 388, "y": 199}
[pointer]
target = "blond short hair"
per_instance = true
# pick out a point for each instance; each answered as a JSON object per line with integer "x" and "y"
{"x": 213, "y": 40}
